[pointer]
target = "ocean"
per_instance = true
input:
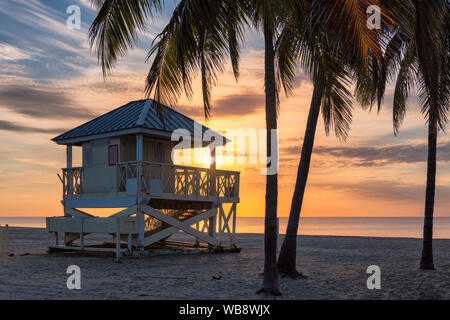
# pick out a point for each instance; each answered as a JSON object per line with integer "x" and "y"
{"x": 365, "y": 227}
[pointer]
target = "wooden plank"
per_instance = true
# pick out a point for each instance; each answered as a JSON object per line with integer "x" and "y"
{"x": 73, "y": 248}
{"x": 92, "y": 225}
{"x": 185, "y": 225}
{"x": 117, "y": 202}
{"x": 202, "y": 216}
{"x": 71, "y": 236}
{"x": 76, "y": 213}
{"x": 226, "y": 219}
{"x": 158, "y": 236}
{"x": 125, "y": 213}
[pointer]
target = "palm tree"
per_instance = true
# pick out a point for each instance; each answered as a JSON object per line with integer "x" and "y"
{"x": 199, "y": 36}
{"x": 329, "y": 77}
{"x": 421, "y": 58}
{"x": 266, "y": 13}
{"x": 333, "y": 52}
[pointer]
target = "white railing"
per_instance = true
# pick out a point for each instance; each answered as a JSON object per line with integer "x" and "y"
{"x": 73, "y": 181}
{"x": 173, "y": 179}
{"x": 180, "y": 180}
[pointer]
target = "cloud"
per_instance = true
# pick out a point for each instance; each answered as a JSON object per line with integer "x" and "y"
{"x": 192, "y": 112}
{"x": 11, "y": 126}
{"x": 11, "y": 53}
{"x": 234, "y": 105}
{"x": 292, "y": 150}
{"x": 40, "y": 102}
{"x": 389, "y": 154}
{"x": 301, "y": 78}
{"x": 237, "y": 105}
{"x": 377, "y": 156}
{"x": 386, "y": 190}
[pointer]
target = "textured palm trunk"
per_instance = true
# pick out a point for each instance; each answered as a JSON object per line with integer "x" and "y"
{"x": 288, "y": 253}
{"x": 270, "y": 282}
{"x": 427, "y": 250}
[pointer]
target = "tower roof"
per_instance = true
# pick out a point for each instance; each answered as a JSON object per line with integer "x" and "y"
{"x": 140, "y": 116}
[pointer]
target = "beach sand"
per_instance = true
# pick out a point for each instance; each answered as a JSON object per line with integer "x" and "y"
{"x": 335, "y": 268}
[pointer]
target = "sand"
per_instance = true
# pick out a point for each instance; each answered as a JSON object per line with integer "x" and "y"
{"x": 335, "y": 268}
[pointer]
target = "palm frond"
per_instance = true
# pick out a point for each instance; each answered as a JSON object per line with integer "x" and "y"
{"x": 337, "y": 106}
{"x": 428, "y": 55}
{"x": 350, "y": 17}
{"x": 406, "y": 78}
{"x": 198, "y": 38}
{"x": 115, "y": 28}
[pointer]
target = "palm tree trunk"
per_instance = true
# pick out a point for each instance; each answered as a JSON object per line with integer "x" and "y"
{"x": 287, "y": 258}
{"x": 427, "y": 250}
{"x": 270, "y": 282}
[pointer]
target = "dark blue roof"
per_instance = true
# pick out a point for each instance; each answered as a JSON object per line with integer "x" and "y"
{"x": 142, "y": 113}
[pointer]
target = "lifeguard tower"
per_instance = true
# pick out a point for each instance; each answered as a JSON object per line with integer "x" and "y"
{"x": 127, "y": 164}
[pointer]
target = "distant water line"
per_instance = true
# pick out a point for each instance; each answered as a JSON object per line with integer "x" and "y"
{"x": 410, "y": 227}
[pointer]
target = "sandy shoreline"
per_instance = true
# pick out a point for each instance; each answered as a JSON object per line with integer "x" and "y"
{"x": 335, "y": 267}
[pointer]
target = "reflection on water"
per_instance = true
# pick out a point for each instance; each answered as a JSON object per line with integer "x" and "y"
{"x": 369, "y": 227}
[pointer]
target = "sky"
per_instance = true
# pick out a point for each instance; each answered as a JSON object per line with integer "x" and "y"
{"x": 50, "y": 82}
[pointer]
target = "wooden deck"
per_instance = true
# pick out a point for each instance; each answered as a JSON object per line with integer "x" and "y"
{"x": 157, "y": 181}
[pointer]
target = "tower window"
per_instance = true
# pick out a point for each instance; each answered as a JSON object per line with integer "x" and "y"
{"x": 113, "y": 154}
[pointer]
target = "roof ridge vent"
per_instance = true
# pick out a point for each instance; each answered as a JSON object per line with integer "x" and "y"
{"x": 144, "y": 112}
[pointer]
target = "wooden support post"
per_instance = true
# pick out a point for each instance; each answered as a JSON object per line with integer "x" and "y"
{"x": 56, "y": 239}
{"x": 130, "y": 243}
{"x": 118, "y": 240}
{"x": 213, "y": 192}
{"x": 69, "y": 180}
{"x": 212, "y": 229}
{"x": 140, "y": 215}
{"x": 197, "y": 240}
{"x": 139, "y": 147}
{"x": 234, "y": 222}
{"x": 219, "y": 238}
{"x": 139, "y": 159}
{"x": 69, "y": 156}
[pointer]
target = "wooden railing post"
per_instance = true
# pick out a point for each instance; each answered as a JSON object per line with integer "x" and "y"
{"x": 81, "y": 177}
{"x": 237, "y": 182}
{"x": 213, "y": 175}
{"x": 180, "y": 180}
{"x": 185, "y": 182}
{"x": 69, "y": 182}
